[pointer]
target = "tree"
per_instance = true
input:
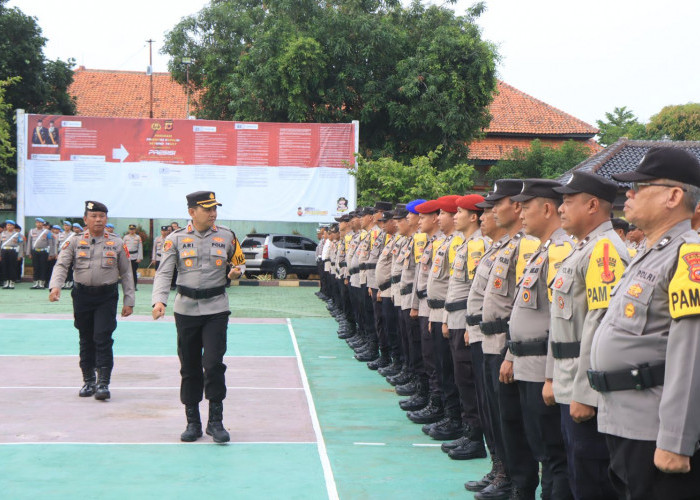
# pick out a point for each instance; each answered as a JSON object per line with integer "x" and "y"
{"x": 387, "y": 179}
{"x": 678, "y": 123}
{"x": 539, "y": 161}
{"x": 620, "y": 123}
{"x": 415, "y": 77}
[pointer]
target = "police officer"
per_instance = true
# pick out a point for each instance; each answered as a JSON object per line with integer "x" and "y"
{"x": 529, "y": 327}
{"x": 157, "y": 251}
{"x": 135, "y": 247}
{"x": 39, "y": 248}
{"x": 11, "y": 249}
{"x": 109, "y": 228}
{"x": 98, "y": 260}
{"x": 65, "y": 236}
{"x": 581, "y": 292}
{"x": 200, "y": 252}
{"x": 645, "y": 352}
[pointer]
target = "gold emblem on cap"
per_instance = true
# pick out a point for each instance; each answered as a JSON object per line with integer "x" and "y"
{"x": 89, "y": 206}
{"x": 211, "y": 196}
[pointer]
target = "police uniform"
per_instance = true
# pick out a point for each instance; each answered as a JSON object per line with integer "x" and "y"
{"x": 135, "y": 247}
{"x": 67, "y": 235}
{"x": 645, "y": 352}
{"x": 39, "y": 246}
{"x": 11, "y": 248}
{"x": 98, "y": 262}
{"x": 580, "y": 295}
{"x": 201, "y": 312}
{"x": 157, "y": 251}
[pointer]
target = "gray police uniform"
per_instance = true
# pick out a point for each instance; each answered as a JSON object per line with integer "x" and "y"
{"x": 11, "y": 247}
{"x": 157, "y": 251}
{"x": 135, "y": 246}
{"x": 39, "y": 248}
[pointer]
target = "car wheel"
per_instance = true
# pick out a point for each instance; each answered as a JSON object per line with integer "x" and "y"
{"x": 302, "y": 276}
{"x": 280, "y": 272}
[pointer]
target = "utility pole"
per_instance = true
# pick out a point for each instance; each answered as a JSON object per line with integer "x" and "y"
{"x": 150, "y": 72}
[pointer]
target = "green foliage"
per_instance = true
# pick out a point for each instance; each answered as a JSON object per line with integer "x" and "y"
{"x": 7, "y": 150}
{"x": 678, "y": 123}
{"x": 539, "y": 161}
{"x": 387, "y": 179}
{"x": 620, "y": 123}
{"x": 415, "y": 77}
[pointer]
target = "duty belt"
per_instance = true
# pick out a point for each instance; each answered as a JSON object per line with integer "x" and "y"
{"x": 96, "y": 290}
{"x": 371, "y": 265}
{"x": 563, "y": 350}
{"x": 354, "y": 270}
{"x": 639, "y": 378}
{"x": 528, "y": 347}
{"x": 343, "y": 264}
{"x": 384, "y": 286}
{"x": 422, "y": 293}
{"x": 473, "y": 319}
{"x": 45, "y": 249}
{"x": 363, "y": 266}
{"x": 494, "y": 327}
{"x": 406, "y": 289}
{"x": 456, "y": 306}
{"x": 206, "y": 293}
{"x": 436, "y": 304}
{"x": 396, "y": 279}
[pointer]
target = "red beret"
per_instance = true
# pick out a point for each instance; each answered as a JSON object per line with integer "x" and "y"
{"x": 469, "y": 201}
{"x": 428, "y": 207}
{"x": 449, "y": 203}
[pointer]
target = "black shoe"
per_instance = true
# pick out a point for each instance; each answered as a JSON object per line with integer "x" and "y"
{"x": 88, "y": 389}
{"x": 102, "y": 389}
{"x": 499, "y": 487}
{"x": 428, "y": 427}
{"x": 215, "y": 426}
{"x": 347, "y": 334}
{"x": 194, "y": 424}
{"x": 469, "y": 450}
{"x": 450, "y": 429}
{"x": 407, "y": 389}
{"x": 431, "y": 413}
{"x": 451, "y": 445}
{"x": 368, "y": 355}
{"x": 416, "y": 402}
{"x": 391, "y": 370}
{"x": 400, "y": 379}
{"x": 380, "y": 362}
{"x": 482, "y": 483}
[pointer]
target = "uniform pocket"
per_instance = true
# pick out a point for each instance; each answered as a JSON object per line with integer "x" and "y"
{"x": 562, "y": 306}
{"x": 635, "y": 301}
{"x": 189, "y": 260}
{"x": 109, "y": 258}
{"x": 218, "y": 257}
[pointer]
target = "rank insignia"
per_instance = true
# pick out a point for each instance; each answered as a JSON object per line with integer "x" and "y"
{"x": 560, "y": 302}
{"x": 526, "y": 295}
{"x": 497, "y": 283}
{"x": 635, "y": 291}
{"x": 559, "y": 283}
{"x": 629, "y": 310}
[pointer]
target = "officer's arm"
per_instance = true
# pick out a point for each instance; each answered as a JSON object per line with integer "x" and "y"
{"x": 127, "y": 277}
{"x": 164, "y": 274}
{"x": 60, "y": 269}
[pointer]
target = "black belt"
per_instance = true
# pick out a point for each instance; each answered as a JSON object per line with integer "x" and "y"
{"x": 436, "y": 304}
{"x": 343, "y": 264}
{"x": 406, "y": 289}
{"x": 354, "y": 270}
{"x": 473, "y": 319}
{"x": 363, "y": 266}
{"x": 563, "y": 350}
{"x": 528, "y": 347}
{"x": 422, "y": 293}
{"x": 326, "y": 260}
{"x": 206, "y": 293}
{"x": 456, "y": 306}
{"x": 396, "y": 279}
{"x": 385, "y": 286}
{"x": 494, "y": 327}
{"x": 371, "y": 265}
{"x": 96, "y": 290}
{"x": 639, "y": 378}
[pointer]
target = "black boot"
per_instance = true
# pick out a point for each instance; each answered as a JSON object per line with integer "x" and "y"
{"x": 407, "y": 389}
{"x": 472, "y": 446}
{"x": 499, "y": 488}
{"x": 88, "y": 389}
{"x": 419, "y": 400}
{"x": 486, "y": 480}
{"x": 431, "y": 413}
{"x": 369, "y": 354}
{"x": 451, "y": 428}
{"x": 381, "y": 362}
{"x": 427, "y": 428}
{"x": 215, "y": 427}
{"x": 393, "y": 369}
{"x": 194, "y": 424}
{"x": 102, "y": 389}
{"x": 401, "y": 378}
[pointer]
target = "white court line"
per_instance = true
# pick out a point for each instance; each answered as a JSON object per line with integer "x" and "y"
{"x": 369, "y": 444}
{"x": 176, "y": 443}
{"x": 122, "y": 356}
{"x": 162, "y": 388}
{"x": 326, "y": 357}
{"x": 331, "y": 487}
{"x": 426, "y": 445}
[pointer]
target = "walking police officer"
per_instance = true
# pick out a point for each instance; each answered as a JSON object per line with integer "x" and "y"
{"x": 200, "y": 253}
{"x": 135, "y": 246}
{"x": 38, "y": 247}
{"x": 11, "y": 246}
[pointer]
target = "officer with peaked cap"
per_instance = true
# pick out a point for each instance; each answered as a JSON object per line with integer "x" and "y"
{"x": 135, "y": 247}
{"x": 11, "y": 249}
{"x": 99, "y": 259}
{"x": 157, "y": 251}
{"x": 200, "y": 253}
{"x": 38, "y": 247}
{"x": 580, "y": 295}
{"x": 646, "y": 350}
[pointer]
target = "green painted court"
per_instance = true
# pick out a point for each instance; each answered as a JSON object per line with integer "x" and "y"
{"x": 306, "y": 419}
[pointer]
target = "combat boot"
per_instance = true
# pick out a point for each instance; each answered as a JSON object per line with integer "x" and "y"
{"x": 88, "y": 389}
{"x": 194, "y": 424}
{"x": 369, "y": 354}
{"x": 393, "y": 369}
{"x": 419, "y": 400}
{"x": 102, "y": 389}
{"x": 215, "y": 426}
{"x": 381, "y": 362}
{"x": 449, "y": 428}
{"x": 431, "y": 413}
{"x": 498, "y": 488}
{"x": 429, "y": 427}
{"x": 472, "y": 446}
{"x": 407, "y": 389}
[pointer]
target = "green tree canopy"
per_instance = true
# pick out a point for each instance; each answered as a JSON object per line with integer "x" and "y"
{"x": 539, "y": 161}
{"x": 415, "y": 77}
{"x": 678, "y": 123}
{"x": 620, "y": 123}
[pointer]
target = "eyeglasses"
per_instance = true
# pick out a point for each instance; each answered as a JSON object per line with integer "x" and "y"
{"x": 636, "y": 186}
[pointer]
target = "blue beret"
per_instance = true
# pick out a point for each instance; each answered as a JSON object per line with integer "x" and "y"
{"x": 110, "y": 225}
{"x": 56, "y": 226}
{"x": 411, "y": 206}
{"x": 67, "y": 223}
{"x": 75, "y": 224}
{"x": 10, "y": 221}
{"x": 39, "y": 219}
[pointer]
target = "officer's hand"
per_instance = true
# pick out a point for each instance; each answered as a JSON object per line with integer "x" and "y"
{"x": 414, "y": 313}
{"x": 127, "y": 311}
{"x": 505, "y": 375}
{"x": 369, "y": 291}
{"x": 445, "y": 331}
{"x": 55, "y": 294}
{"x": 235, "y": 273}
{"x": 581, "y": 412}
{"x": 346, "y": 282}
{"x": 466, "y": 338}
{"x": 672, "y": 463}
{"x": 379, "y": 297}
{"x": 158, "y": 310}
{"x": 548, "y": 393}
{"x": 138, "y": 261}
{"x": 430, "y": 327}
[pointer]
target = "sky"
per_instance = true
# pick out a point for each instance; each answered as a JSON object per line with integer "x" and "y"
{"x": 585, "y": 58}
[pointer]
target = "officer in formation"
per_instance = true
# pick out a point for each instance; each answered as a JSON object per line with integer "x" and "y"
{"x": 135, "y": 247}
{"x": 157, "y": 251}
{"x": 39, "y": 246}
{"x": 11, "y": 250}
{"x": 98, "y": 260}
{"x": 200, "y": 252}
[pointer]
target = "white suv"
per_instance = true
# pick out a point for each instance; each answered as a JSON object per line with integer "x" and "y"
{"x": 279, "y": 255}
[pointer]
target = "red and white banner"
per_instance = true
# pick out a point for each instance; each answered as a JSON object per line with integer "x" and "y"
{"x": 293, "y": 172}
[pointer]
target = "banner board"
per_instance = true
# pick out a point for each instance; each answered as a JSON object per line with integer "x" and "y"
{"x": 291, "y": 172}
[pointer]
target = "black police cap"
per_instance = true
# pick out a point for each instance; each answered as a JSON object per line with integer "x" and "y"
{"x": 618, "y": 223}
{"x": 503, "y": 188}
{"x": 368, "y": 211}
{"x": 386, "y": 215}
{"x": 586, "y": 182}
{"x": 132, "y": 226}
{"x": 538, "y": 188}
{"x": 165, "y": 228}
{"x": 205, "y": 199}
{"x": 664, "y": 162}
{"x": 486, "y": 203}
{"x": 400, "y": 212}
{"x": 95, "y": 206}
{"x": 382, "y": 206}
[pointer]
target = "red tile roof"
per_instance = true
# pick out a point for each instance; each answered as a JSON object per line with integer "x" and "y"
{"x": 493, "y": 148}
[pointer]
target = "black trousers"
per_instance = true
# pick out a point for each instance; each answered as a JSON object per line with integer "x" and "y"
{"x": 379, "y": 323}
{"x": 401, "y": 336}
{"x": 96, "y": 319}
{"x": 391, "y": 327}
{"x": 8, "y": 265}
{"x": 428, "y": 353}
{"x": 482, "y": 406}
{"x": 413, "y": 332}
{"x": 444, "y": 367}
{"x": 357, "y": 308}
{"x": 519, "y": 457}
{"x": 345, "y": 301}
{"x": 367, "y": 314}
{"x": 587, "y": 458}
{"x": 201, "y": 345}
{"x": 464, "y": 379}
{"x": 492, "y": 367}
{"x": 134, "y": 267}
{"x": 635, "y": 477}
{"x": 40, "y": 262}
